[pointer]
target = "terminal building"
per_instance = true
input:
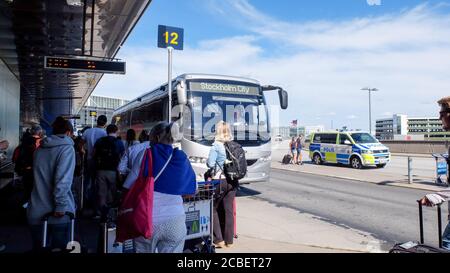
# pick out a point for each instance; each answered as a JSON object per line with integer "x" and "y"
{"x": 31, "y": 31}
{"x": 401, "y": 127}
{"x": 100, "y": 106}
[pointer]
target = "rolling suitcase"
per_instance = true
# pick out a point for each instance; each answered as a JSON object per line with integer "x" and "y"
{"x": 421, "y": 247}
{"x": 107, "y": 241}
{"x": 72, "y": 246}
{"x": 287, "y": 159}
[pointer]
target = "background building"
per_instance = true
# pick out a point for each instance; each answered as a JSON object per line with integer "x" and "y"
{"x": 314, "y": 129}
{"x": 400, "y": 127}
{"x": 431, "y": 128}
{"x": 283, "y": 131}
{"x": 388, "y": 127}
{"x": 290, "y": 131}
{"x": 100, "y": 105}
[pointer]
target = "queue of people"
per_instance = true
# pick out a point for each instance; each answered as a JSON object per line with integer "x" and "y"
{"x": 53, "y": 168}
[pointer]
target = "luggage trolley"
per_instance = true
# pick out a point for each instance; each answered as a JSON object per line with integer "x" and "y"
{"x": 441, "y": 168}
{"x": 199, "y": 218}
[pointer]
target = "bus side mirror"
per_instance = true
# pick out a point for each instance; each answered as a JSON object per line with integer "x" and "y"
{"x": 181, "y": 93}
{"x": 283, "y": 98}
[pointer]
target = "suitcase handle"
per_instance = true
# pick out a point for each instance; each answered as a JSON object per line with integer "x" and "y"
{"x": 439, "y": 214}
{"x": 48, "y": 216}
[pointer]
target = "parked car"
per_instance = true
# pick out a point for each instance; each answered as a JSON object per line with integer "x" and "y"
{"x": 356, "y": 149}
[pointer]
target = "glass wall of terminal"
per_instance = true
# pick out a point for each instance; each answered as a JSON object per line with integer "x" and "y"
{"x": 9, "y": 107}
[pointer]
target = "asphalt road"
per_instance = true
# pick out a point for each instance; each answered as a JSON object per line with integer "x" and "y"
{"x": 389, "y": 213}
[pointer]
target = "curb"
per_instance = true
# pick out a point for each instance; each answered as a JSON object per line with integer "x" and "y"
{"x": 314, "y": 246}
{"x": 355, "y": 179}
{"x": 412, "y": 155}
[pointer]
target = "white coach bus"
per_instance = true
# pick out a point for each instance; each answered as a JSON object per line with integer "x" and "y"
{"x": 199, "y": 101}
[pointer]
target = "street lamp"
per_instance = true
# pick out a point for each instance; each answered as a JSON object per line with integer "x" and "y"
{"x": 370, "y": 105}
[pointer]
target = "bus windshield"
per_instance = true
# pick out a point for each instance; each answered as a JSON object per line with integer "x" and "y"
{"x": 361, "y": 138}
{"x": 246, "y": 114}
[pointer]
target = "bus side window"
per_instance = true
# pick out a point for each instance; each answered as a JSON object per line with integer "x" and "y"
{"x": 147, "y": 115}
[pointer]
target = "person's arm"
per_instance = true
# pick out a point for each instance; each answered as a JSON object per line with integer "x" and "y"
{"x": 212, "y": 157}
{"x": 63, "y": 180}
{"x": 121, "y": 147}
{"x": 123, "y": 165}
{"x": 134, "y": 172}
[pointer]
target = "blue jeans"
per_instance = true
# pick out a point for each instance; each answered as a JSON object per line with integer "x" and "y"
{"x": 58, "y": 236}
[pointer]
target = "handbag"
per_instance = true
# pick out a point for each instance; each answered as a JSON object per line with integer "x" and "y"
{"x": 135, "y": 218}
{"x": 136, "y": 211}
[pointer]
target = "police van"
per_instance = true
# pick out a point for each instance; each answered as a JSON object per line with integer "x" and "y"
{"x": 357, "y": 149}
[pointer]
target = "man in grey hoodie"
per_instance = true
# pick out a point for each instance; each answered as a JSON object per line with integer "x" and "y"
{"x": 53, "y": 167}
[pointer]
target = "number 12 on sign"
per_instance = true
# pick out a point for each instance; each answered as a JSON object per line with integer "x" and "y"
{"x": 174, "y": 38}
{"x": 170, "y": 37}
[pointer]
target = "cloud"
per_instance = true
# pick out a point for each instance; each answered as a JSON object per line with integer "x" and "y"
{"x": 322, "y": 64}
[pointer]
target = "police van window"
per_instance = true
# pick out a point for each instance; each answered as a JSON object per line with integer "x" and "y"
{"x": 317, "y": 138}
{"x": 330, "y": 139}
{"x": 343, "y": 138}
{"x": 326, "y": 138}
{"x": 362, "y": 138}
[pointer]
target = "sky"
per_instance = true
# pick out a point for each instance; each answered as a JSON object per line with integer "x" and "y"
{"x": 323, "y": 52}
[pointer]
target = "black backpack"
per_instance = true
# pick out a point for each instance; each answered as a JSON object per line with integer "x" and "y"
{"x": 236, "y": 168}
{"x": 107, "y": 156}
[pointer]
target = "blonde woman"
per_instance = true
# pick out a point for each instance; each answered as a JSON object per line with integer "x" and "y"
{"x": 225, "y": 192}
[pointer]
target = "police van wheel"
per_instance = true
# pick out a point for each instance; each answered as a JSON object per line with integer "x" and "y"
{"x": 356, "y": 163}
{"x": 317, "y": 160}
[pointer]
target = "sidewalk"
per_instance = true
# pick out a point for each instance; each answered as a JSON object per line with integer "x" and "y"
{"x": 263, "y": 227}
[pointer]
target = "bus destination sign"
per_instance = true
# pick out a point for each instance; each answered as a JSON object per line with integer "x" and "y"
{"x": 224, "y": 88}
{"x": 84, "y": 65}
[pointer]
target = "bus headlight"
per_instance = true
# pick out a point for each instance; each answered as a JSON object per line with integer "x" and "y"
{"x": 198, "y": 160}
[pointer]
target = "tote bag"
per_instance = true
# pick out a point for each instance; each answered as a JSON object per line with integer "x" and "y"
{"x": 136, "y": 212}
